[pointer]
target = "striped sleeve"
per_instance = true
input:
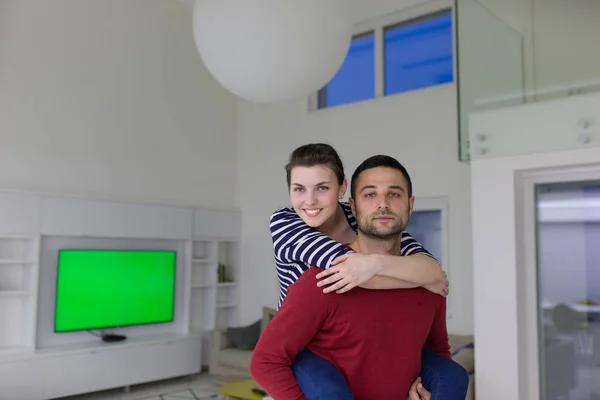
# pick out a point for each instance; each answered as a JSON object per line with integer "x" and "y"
{"x": 410, "y": 246}
{"x": 294, "y": 241}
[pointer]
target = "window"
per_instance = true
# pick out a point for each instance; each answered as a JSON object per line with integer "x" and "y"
{"x": 428, "y": 224}
{"x": 418, "y": 53}
{"x": 393, "y": 58}
{"x": 426, "y": 227}
{"x": 355, "y": 80}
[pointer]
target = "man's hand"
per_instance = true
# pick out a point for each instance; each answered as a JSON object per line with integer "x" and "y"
{"x": 418, "y": 392}
{"x": 440, "y": 287}
{"x": 347, "y": 272}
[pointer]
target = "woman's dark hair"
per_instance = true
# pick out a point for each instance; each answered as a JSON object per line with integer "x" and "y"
{"x": 313, "y": 154}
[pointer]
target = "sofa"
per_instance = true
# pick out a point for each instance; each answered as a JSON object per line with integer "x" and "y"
{"x": 227, "y": 360}
{"x": 463, "y": 352}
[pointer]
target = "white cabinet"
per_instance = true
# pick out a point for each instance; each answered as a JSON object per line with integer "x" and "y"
{"x": 214, "y": 286}
{"x": 21, "y": 380}
{"x": 85, "y": 368}
{"x": 18, "y": 292}
{"x": 214, "y": 300}
{"x": 68, "y": 374}
{"x": 165, "y": 360}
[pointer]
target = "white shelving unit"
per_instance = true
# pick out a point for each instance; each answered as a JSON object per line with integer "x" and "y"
{"x": 214, "y": 288}
{"x": 18, "y": 293}
{"x": 36, "y": 363}
{"x": 227, "y": 302}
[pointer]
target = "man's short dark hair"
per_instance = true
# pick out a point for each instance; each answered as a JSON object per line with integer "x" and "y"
{"x": 379, "y": 161}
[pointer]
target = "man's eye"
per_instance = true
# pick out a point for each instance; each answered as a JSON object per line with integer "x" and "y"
{"x": 370, "y": 195}
{"x": 394, "y": 194}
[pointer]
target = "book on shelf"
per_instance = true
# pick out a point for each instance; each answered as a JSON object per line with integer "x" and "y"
{"x": 221, "y": 273}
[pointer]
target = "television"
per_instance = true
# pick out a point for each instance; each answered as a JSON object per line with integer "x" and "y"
{"x": 100, "y": 289}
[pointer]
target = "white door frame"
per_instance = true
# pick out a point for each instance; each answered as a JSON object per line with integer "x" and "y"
{"x": 530, "y": 357}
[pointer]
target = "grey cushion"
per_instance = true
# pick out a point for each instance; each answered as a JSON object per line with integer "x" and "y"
{"x": 244, "y": 337}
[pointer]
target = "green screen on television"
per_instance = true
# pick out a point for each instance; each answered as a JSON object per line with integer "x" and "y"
{"x": 99, "y": 289}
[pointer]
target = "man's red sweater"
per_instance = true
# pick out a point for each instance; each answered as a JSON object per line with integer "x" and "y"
{"x": 374, "y": 337}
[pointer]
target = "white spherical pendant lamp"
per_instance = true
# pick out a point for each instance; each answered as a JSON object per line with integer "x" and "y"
{"x": 272, "y": 50}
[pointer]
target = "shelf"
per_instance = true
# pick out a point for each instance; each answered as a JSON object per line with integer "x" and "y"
{"x": 205, "y": 286}
{"x": 9, "y": 261}
{"x": 214, "y": 287}
{"x": 15, "y": 293}
{"x": 226, "y": 305}
{"x": 96, "y": 344}
{"x": 227, "y": 316}
{"x": 201, "y": 315}
{"x": 13, "y": 349}
{"x": 227, "y": 239}
{"x": 14, "y": 352}
{"x": 16, "y": 237}
{"x": 203, "y": 251}
{"x": 16, "y": 251}
{"x": 203, "y": 277}
{"x": 18, "y": 289}
{"x": 201, "y": 260}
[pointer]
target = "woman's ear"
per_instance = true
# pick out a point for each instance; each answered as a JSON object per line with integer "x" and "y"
{"x": 343, "y": 188}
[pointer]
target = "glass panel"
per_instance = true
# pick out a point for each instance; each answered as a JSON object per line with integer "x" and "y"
{"x": 568, "y": 237}
{"x": 490, "y": 64}
{"x": 515, "y": 52}
{"x": 355, "y": 80}
{"x": 426, "y": 228}
{"x": 418, "y": 53}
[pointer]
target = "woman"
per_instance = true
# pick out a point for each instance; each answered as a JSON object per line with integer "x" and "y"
{"x": 313, "y": 233}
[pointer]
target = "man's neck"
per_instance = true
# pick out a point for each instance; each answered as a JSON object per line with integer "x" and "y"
{"x": 371, "y": 245}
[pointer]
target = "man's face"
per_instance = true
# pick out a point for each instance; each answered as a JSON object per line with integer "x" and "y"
{"x": 382, "y": 206}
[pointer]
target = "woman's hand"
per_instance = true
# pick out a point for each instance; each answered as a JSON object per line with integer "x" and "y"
{"x": 347, "y": 272}
{"x": 418, "y": 392}
{"x": 440, "y": 287}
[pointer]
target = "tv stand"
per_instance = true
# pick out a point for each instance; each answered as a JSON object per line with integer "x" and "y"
{"x": 93, "y": 366}
{"x": 112, "y": 337}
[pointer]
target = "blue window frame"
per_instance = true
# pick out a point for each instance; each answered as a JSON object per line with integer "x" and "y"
{"x": 355, "y": 80}
{"x": 418, "y": 53}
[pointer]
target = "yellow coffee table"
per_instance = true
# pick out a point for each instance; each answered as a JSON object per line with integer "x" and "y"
{"x": 240, "y": 391}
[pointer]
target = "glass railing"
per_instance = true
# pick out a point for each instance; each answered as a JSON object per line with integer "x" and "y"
{"x": 515, "y": 52}
{"x": 490, "y": 64}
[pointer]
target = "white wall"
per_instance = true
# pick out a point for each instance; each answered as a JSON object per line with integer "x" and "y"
{"x": 502, "y": 356}
{"x": 110, "y": 98}
{"x": 566, "y": 45}
{"x": 418, "y": 128}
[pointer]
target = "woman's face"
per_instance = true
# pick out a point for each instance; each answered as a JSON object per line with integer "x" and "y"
{"x": 314, "y": 193}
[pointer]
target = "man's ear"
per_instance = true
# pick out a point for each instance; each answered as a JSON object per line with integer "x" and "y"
{"x": 352, "y": 206}
{"x": 411, "y": 204}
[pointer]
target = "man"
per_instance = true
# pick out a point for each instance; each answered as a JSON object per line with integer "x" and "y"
{"x": 374, "y": 337}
